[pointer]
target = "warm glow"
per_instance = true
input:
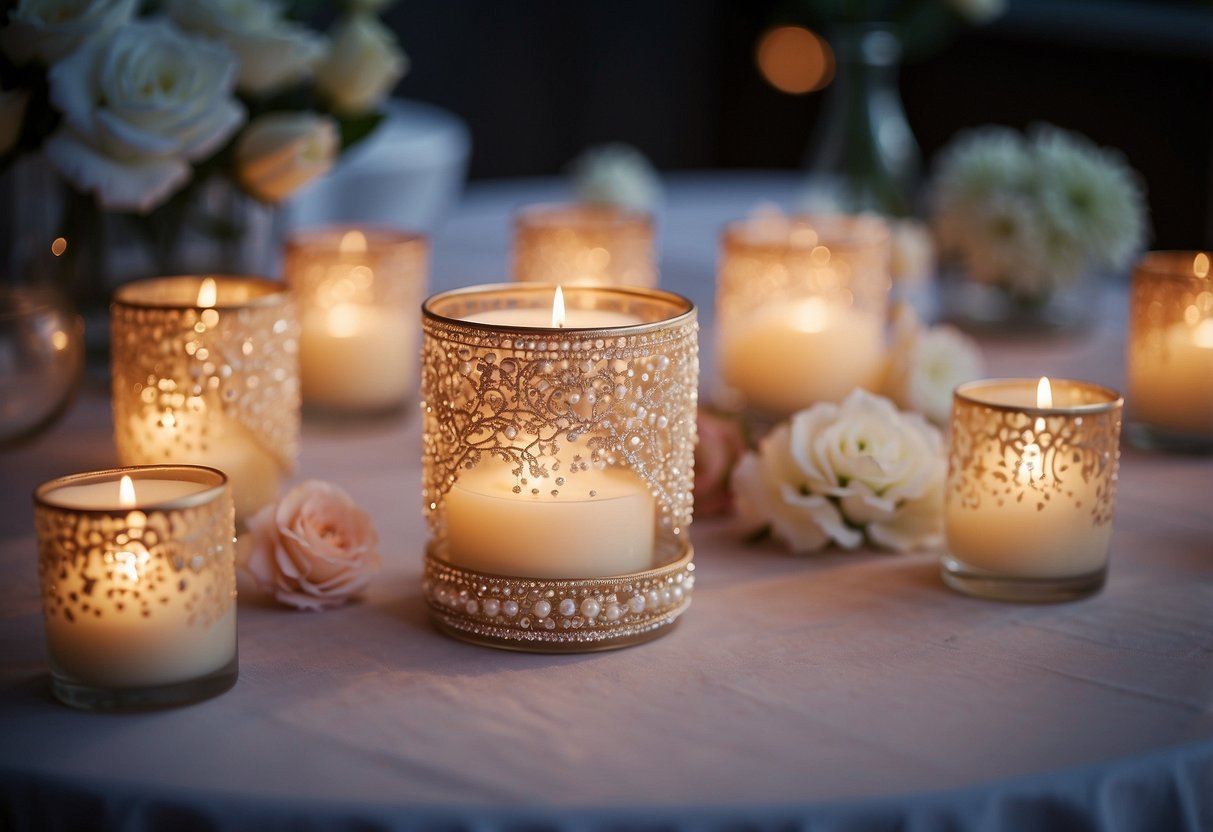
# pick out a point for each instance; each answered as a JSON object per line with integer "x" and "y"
{"x": 558, "y": 308}
{"x": 794, "y": 60}
{"x": 811, "y": 315}
{"x": 126, "y": 492}
{"x": 58, "y": 246}
{"x": 1200, "y": 265}
{"x": 342, "y": 320}
{"x": 1202, "y": 335}
{"x": 1044, "y": 393}
{"x": 59, "y": 339}
{"x": 207, "y": 293}
{"x": 352, "y": 242}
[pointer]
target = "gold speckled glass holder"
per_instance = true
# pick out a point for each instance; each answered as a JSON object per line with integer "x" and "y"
{"x": 1031, "y": 490}
{"x": 205, "y": 371}
{"x": 139, "y": 600}
{"x": 558, "y": 464}
{"x": 581, "y": 243}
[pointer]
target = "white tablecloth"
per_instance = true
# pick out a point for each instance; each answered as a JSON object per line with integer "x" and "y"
{"x": 840, "y": 691}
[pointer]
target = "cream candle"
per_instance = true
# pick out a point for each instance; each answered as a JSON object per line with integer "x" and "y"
{"x": 358, "y": 290}
{"x": 1170, "y": 351}
{"x": 1031, "y": 488}
{"x": 584, "y": 244}
{"x": 137, "y": 570}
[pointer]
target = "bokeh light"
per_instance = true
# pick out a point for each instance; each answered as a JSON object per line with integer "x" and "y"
{"x": 795, "y": 60}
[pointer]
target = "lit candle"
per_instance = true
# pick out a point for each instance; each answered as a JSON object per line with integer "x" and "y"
{"x": 358, "y": 290}
{"x": 584, "y": 244}
{"x": 801, "y": 305}
{"x": 1170, "y": 351}
{"x": 204, "y": 371}
{"x": 138, "y": 583}
{"x": 1031, "y": 487}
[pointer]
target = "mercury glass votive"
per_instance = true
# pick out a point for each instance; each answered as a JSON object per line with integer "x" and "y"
{"x": 582, "y": 243}
{"x": 357, "y": 289}
{"x": 1031, "y": 488}
{"x": 558, "y": 463}
{"x": 1169, "y": 397}
{"x": 205, "y": 371}
{"x": 137, "y": 569}
{"x": 801, "y": 307}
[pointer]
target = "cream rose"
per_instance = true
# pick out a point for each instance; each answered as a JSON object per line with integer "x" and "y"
{"x": 616, "y": 174}
{"x": 926, "y": 364}
{"x": 278, "y": 153}
{"x": 49, "y": 29}
{"x": 838, "y": 472}
{"x": 273, "y": 52}
{"x": 138, "y": 107}
{"x": 362, "y": 65}
{"x": 313, "y": 549}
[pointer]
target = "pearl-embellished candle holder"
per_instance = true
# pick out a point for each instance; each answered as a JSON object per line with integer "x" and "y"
{"x": 801, "y": 307}
{"x": 1031, "y": 488}
{"x": 582, "y": 243}
{"x": 138, "y": 586}
{"x": 205, "y": 371}
{"x": 558, "y": 464}
{"x": 358, "y": 289}
{"x": 1170, "y": 352}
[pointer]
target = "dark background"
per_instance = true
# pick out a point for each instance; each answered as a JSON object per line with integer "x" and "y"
{"x": 539, "y": 80}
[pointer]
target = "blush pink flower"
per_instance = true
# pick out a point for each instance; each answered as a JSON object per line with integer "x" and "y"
{"x": 313, "y": 549}
{"x": 722, "y": 441}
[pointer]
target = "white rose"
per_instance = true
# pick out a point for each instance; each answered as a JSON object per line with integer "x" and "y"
{"x": 12, "y": 117}
{"x": 362, "y": 66}
{"x": 278, "y": 153}
{"x": 912, "y": 259}
{"x": 925, "y": 365}
{"x": 313, "y": 549}
{"x": 138, "y": 107}
{"x": 49, "y": 29}
{"x": 273, "y": 52}
{"x": 616, "y": 174}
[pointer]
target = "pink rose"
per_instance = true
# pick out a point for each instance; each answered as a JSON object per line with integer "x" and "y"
{"x": 722, "y": 441}
{"x": 314, "y": 548}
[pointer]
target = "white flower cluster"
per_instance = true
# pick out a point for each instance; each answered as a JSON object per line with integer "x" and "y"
{"x": 840, "y": 473}
{"x": 142, "y": 102}
{"x": 616, "y": 174}
{"x": 1032, "y": 213}
{"x": 925, "y": 364}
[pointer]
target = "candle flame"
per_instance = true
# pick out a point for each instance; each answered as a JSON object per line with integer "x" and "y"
{"x": 558, "y": 308}
{"x": 1202, "y": 335}
{"x": 352, "y": 242}
{"x": 1200, "y": 265}
{"x": 207, "y": 293}
{"x": 342, "y": 320}
{"x": 1044, "y": 393}
{"x": 126, "y": 492}
{"x": 811, "y": 315}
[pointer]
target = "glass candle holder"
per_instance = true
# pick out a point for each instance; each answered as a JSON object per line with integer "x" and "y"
{"x": 358, "y": 289}
{"x": 801, "y": 307}
{"x": 138, "y": 585}
{"x": 1170, "y": 352}
{"x": 558, "y": 464}
{"x": 205, "y": 371}
{"x": 1031, "y": 488}
{"x": 584, "y": 244}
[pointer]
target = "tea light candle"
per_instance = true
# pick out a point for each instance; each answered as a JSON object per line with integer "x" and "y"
{"x": 138, "y": 581}
{"x": 1170, "y": 351}
{"x": 204, "y": 371}
{"x": 358, "y": 290}
{"x": 1031, "y": 488}
{"x": 801, "y": 305}
{"x": 558, "y": 443}
{"x": 584, "y": 244}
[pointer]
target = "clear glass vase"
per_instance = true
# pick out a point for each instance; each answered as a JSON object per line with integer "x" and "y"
{"x": 862, "y": 154}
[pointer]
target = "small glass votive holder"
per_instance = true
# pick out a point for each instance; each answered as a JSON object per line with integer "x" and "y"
{"x": 205, "y": 371}
{"x": 557, "y": 464}
{"x": 1031, "y": 488}
{"x": 137, "y": 567}
{"x": 358, "y": 289}
{"x": 801, "y": 308}
{"x": 1169, "y": 362}
{"x": 588, "y": 244}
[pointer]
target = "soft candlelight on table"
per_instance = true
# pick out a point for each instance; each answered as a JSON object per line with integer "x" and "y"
{"x": 1169, "y": 396}
{"x": 138, "y": 585}
{"x": 205, "y": 371}
{"x": 581, "y": 243}
{"x": 358, "y": 289}
{"x": 558, "y": 443}
{"x": 801, "y": 305}
{"x": 1031, "y": 488}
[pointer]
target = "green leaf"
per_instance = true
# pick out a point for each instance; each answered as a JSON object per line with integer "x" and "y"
{"x": 356, "y": 128}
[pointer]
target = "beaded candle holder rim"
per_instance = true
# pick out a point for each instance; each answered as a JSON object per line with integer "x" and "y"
{"x": 269, "y": 293}
{"x": 379, "y": 234}
{"x": 861, "y": 231}
{"x": 578, "y": 215}
{"x": 1112, "y": 399}
{"x": 683, "y": 309}
{"x": 1174, "y": 264}
{"x": 214, "y": 480}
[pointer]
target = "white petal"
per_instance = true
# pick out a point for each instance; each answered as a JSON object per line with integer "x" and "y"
{"x": 119, "y": 185}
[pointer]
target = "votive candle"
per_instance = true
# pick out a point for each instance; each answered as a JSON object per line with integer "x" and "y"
{"x": 581, "y": 243}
